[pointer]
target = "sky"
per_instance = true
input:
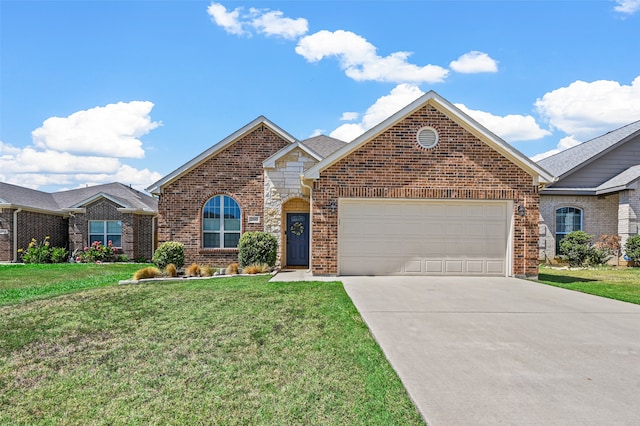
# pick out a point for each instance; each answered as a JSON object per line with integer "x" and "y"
{"x": 94, "y": 92}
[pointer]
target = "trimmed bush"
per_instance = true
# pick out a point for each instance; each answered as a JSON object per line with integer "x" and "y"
{"x": 576, "y": 248}
{"x": 632, "y": 248}
{"x": 169, "y": 252}
{"x": 256, "y": 248}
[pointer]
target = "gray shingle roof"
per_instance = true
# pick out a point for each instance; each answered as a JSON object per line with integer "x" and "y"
{"x": 569, "y": 159}
{"x": 323, "y": 145}
{"x": 57, "y": 201}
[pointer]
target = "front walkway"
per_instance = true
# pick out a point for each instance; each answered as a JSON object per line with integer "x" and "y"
{"x": 288, "y": 275}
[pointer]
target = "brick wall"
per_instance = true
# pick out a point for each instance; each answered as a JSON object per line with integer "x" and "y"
{"x": 600, "y": 217}
{"x": 40, "y": 225}
{"x": 393, "y": 165}
{"x": 236, "y": 171}
{"x": 6, "y": 240}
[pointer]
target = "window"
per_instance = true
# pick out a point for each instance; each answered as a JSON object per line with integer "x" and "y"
{"x": 568, "y": 219}
{"x": 221, "y": 223}
{"x": 105, "y": 231}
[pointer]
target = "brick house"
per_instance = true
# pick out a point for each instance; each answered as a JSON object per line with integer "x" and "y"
{"x": 76, "y": 218}
{"x": 428, "y": 191}
{"x": 596, "y": 190}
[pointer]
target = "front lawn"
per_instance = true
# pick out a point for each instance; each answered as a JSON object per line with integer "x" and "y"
{"x": 221, "y": 351}
{"x": 615, "y": 283}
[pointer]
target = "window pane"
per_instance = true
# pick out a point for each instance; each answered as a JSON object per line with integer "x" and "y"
{"x": 96, "y": 227}
{"x": 211, "y": 224}
{"x": 231, "y": 240}
{"x": 114, "y": 227}
{"x": 232, "y": 224}
{"x": 116, "y": 240}
{"x": 231, "y": 208}
{"x": 211, "y": 240}
{"x": 96, "y": 237}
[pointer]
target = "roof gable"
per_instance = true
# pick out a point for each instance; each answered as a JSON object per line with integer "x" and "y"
{"x": 217, "y": 148}
{"x": 433, "y": 99}
{"x": 575, "y": 158}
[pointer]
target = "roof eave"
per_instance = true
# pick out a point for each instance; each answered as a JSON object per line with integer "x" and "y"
{"x": 215, "y": 149}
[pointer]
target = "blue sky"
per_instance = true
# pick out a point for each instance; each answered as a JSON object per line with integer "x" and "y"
{"x": 100, "y": 91}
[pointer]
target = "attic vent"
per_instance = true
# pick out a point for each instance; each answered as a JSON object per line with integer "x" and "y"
{"x": 427, "y": 137}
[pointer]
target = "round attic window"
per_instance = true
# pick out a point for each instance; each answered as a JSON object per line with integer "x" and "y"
{"x": 427, "y": 137}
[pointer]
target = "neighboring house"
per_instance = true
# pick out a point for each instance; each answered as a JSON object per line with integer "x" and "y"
{"x": 596, "y": 190}
{"x": 427, "y": 191}
{"x": 75, "y": 219}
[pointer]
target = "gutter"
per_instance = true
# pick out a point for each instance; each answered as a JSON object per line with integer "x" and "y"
{"x": 15, "y": 234}
{"x": 304, "y": 185}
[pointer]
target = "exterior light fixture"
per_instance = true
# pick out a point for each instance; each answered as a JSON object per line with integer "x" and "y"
{"x": 521, "y": 210}
{"x": 332, "y": 206}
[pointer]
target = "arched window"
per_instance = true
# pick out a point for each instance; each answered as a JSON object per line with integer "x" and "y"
{"x": 221, "y": 223}
{"x": 568, "y": 219}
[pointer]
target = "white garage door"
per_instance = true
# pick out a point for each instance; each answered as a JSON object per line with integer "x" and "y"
{"x": 423, "y": 237}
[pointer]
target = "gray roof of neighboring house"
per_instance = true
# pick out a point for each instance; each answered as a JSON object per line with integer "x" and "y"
{"x": 579, "y": 155}
{"x": 619, "y": 182}
{"x": 58, "y": 201}
{"x": 26, "y": 197}
{"x": 323, "y": 145}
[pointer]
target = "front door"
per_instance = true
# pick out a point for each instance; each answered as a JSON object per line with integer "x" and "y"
{"x": 297, "y": 239}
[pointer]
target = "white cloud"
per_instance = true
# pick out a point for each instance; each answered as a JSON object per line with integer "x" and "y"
{"x": 227, "y": 20}
{"x": 401, "y": 96}
{"x": 565, "y": 143}
{"x": 272, "y": 23}
{"x": 84, "y": 148}
{"x": 586, "y": 110}
{"x": 474, "y": 62}
{"x": 627, "y": 6}
{"x": 359, "y": 60}
{"x": 511, "y": 127}
{"x": 264, "y": 21}
{"x": 349, "y": 116}
{"x": 112, "y": 130}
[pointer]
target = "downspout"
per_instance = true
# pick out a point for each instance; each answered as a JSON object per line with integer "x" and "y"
{"x": 153, "y": 235}
{"x": 304, "y": 185}
{"x": 15, "y": 234}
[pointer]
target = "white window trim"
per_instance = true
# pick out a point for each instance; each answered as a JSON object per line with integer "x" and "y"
{"x": 104, "y": 234}
{"x": 222, "y": 232}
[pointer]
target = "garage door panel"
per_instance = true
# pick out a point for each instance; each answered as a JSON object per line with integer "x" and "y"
{"x": 422, "y": 237}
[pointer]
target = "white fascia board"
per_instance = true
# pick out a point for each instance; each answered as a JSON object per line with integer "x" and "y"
{"x": 33, "y": 209}
{"x": 270, "y": 162}
{"x": 97, "y": 197}
{"x": 215, "y": 149}
{"x": 538, "y": 174}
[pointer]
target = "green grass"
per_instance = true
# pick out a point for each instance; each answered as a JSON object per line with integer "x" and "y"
{"x": 222, "y": 351}
{"x": 26, "y": 282}
{"x": 614, "y": 283}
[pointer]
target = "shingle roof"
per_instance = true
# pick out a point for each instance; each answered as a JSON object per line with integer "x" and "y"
{"x": 577, "y": 156}
{"x": 58, "y": 201}
{"x": 26, "y": 197}
{"x": 323, "y": 145}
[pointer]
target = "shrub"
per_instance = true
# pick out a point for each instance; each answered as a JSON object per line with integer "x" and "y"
{"x": 256, "y": 268}
{"x": 232, "y": 269}
{"x": 42, "y": 252}
{"x": 256, "y": 248}
{"x": 599, "y": 255}
{"x": 193, "y": 270}
{"x": 576, "y": 248}
{"x": 206, "y": 271}
{"x": 122, "y": 258}
{"x": 169, "y": 252}
{"x": 632, "y": 248}
{"x": 171, "y": 270}
{"x": 98, "y": 253}
{"x": 148, "y": 272}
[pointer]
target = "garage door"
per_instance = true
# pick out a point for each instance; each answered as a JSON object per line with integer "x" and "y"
{"x": 423, "y": 237}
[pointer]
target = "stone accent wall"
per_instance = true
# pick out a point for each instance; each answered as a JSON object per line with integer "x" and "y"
{"x": 599, "y": 215}
{"x": 281, "y": 184}
{"x": 393, "y": 165}
{"x": 237, "y": 172}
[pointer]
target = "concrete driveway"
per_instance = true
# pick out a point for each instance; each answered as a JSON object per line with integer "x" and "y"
{"x": 491, "y": 351}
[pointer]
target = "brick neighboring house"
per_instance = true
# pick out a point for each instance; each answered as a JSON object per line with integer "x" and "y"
{"x": 596, "y": 190}
{"x": 74, "y": 219}
{"x": 427, "y": 191}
